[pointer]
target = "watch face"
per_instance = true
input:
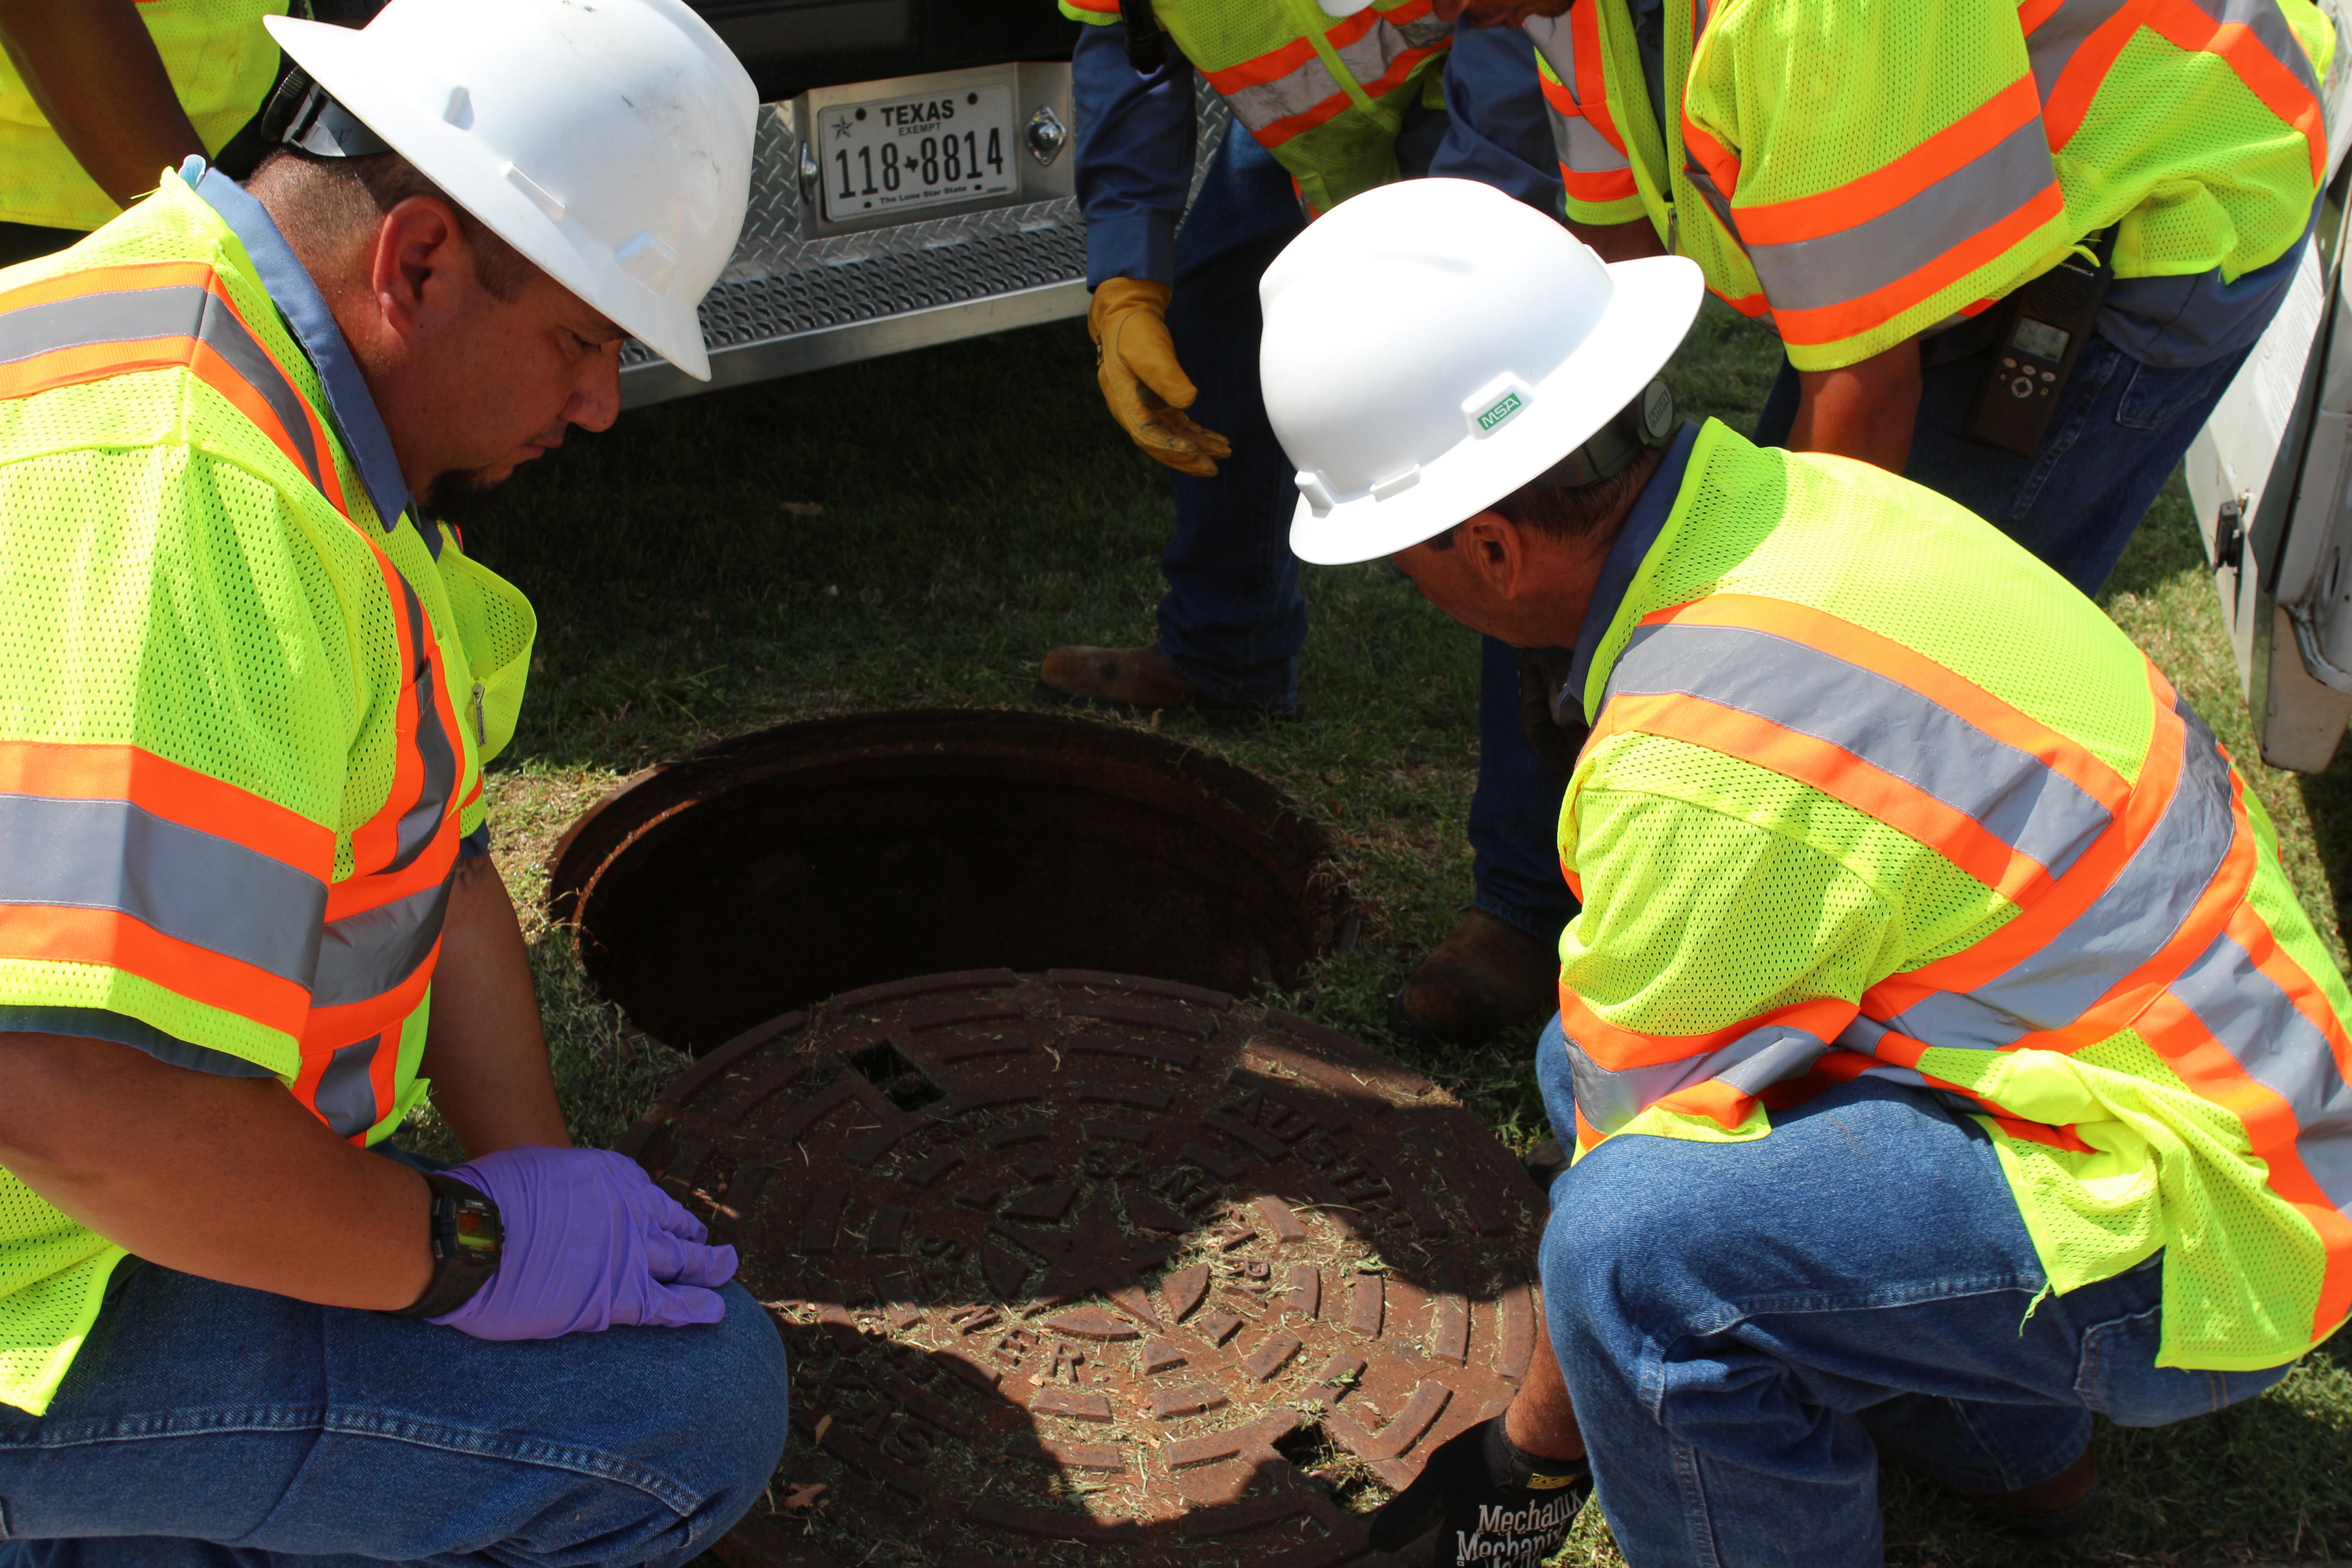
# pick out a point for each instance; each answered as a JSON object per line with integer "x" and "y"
{"x": 477, "y": 1229}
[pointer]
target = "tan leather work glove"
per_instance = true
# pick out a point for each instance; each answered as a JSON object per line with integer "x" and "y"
{"x": 1145, "y": 388}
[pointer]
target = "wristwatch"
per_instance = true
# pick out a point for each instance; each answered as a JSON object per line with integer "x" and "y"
{"x": 466, "y": 1236}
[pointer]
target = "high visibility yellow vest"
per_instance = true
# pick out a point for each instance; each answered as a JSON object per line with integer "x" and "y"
{"x": 1837, "y": 820}
{"x": 1325, "y": 95}
{"x": 242, "y": 724}
{"x": 1862, "y": 171}
{"x": 221, "y": 61}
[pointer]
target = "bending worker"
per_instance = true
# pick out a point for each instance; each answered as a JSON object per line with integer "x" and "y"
{"x": 1928, "y": 198}
{"x": 1336, "y": 98}
{"x": 98, "y": 97}
{"x": 250, "y": 689}
{"x": 1946, "y": 1055}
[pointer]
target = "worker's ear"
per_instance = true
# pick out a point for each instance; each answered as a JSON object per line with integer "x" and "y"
{"x": 421, "y": 253}
{"x": 1494, "y": 553}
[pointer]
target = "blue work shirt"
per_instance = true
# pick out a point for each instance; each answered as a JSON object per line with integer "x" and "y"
{"x": 1135, "y": 152}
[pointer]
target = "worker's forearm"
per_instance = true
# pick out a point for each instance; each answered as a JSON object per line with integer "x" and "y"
{"x": 1865, "y": 411}
{"x": 1619, "y": 241}
{"x": 485, "y": 1050}
{"x": 93, "y": 68}
{"x": 228, "y": 1178}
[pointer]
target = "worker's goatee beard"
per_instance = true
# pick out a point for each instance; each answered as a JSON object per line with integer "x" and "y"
{"x": 459, "y": 496}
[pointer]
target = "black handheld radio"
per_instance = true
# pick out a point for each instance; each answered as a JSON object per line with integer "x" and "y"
{"x": 2039, "y": 334}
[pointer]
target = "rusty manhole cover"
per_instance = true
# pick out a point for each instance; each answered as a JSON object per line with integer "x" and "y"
{"x": 1084, "y": 1269}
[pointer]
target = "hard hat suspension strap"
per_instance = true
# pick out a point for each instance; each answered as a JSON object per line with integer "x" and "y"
{"x": 302, "y": 115}
{"x": 1645, "y": 422}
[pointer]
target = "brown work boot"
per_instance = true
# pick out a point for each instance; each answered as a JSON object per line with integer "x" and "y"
{"x": 2055, "y": 1510}
{"x": 1488, "y": 976}
{"x": 1131, "y": 679}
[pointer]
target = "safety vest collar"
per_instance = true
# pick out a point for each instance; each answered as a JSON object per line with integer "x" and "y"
{"x": 312, "y": 324}
{"x": 1644, "y": 525}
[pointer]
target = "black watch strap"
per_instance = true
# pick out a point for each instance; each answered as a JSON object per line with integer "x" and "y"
{"x": 466, "y": 1236}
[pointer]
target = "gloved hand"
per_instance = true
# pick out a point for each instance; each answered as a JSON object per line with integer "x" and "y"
{"x": 590, "y": 1242}
{"x": 1542, "y": 670}
{"x": 1145, "y": 388}
{"x": 1491, "y": 1502}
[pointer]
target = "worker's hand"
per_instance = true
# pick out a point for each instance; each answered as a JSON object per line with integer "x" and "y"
{"x": 590, "y": 1242}
{"x": 1542, "y": 671}
{"x": 1145, "y": 388}
{"x": 1491, "y": 1502}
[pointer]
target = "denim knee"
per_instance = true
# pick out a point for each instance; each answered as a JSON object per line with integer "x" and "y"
{"x": 731, "y": 1410}
{"x": 716, "y": 1430}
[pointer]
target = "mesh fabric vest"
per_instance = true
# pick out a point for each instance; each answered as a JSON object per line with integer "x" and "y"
{"x": 243, "y": 725}
{"x": 1866, "y": 171}
{"x": 1325, "y": 95}
{"x": 2092, "y": 945}
{"x": 221, "y": 63}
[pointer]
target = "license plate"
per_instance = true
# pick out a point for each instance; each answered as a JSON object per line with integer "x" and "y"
{"x": 931, "y": 150}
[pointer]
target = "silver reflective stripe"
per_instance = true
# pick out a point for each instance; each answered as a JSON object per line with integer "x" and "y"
{"x": 2016, "y": 797}
{"x": 131, "y": 315}
{"x": 1762, "y": 1058}
{"x": 2124, "y": 928}
{"x": 346, "y": 1093}
{"x": 1367, "y": 59}
{"x": 421, "y": 821}
{"x": 195, "y": 886}
{"x": 2269, "y": 26}
{"x": 1578, "y": 141}
{"x": 368, "y": 953}
{"x": 2280, "y": 1050}
{"x": 2051, "y": 45}
{"x": 1809, "y": 274}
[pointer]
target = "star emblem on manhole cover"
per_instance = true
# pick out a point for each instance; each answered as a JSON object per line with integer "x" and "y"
{"x": 1082, "y": 1267}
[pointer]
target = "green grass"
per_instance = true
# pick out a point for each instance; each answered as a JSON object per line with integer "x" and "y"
{"x": 977, "y": 509}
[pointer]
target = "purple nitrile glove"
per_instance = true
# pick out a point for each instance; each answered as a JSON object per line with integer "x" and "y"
{"x": 590, "y": 1242}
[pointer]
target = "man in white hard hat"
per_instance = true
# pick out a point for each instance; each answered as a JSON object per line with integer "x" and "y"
{"x": 1946, "y": 1054}
{"x": 244, "y": 914}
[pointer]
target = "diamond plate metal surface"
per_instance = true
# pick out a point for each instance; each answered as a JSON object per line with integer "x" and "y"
{"x": 1080, "y": 1266}
{"x": 785, "y": 282}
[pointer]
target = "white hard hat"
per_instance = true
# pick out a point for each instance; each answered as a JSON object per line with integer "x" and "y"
{"x": 1432, "y": 345}
{"x": 608, "y": 140}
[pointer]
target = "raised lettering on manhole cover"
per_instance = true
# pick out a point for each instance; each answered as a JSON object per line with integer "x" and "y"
{"x": 1084, "y": 1269}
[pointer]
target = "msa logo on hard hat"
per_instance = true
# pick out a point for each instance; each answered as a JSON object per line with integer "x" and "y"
{"x": 1495, "y": 405}
{"x": 1509, "y": 405}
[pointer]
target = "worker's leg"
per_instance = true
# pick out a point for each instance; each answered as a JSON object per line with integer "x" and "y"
{"x": 1233, "y": 618}
{"x": 207, "y": 1424}
{"x": 2120, "y": 430}
{"x": 1737, "y": 1320}
{"x": 1515, "y": 813}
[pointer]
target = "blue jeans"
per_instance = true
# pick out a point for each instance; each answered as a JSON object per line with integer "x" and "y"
{"x": 1234, "y": 619}
{"x": 204, "y": 1425}
{"x": 1746, "y": 1328}
{"x": 2119, "y": 429}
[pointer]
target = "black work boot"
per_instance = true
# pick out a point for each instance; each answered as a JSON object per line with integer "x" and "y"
{"x": 1488, "y": 976}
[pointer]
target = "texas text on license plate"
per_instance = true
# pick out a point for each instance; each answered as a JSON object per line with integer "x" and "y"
{"x": 927, "y": 151}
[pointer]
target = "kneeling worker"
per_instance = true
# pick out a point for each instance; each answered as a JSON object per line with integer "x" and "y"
{"x": 243, "y": 910}
{"x": 1947, "y": 1056}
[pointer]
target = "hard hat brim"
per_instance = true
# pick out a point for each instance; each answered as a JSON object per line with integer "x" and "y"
{"x": 337, "y": 59}
{"x": 1651, "y": 304}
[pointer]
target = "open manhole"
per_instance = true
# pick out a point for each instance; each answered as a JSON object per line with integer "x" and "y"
{"x": 793, "y": 864}
{"x": 1080, "y": 1268}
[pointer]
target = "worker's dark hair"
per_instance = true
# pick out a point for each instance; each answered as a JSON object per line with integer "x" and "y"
{"x": 1571, "y": 514}
{"x": 359, "y": 191}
